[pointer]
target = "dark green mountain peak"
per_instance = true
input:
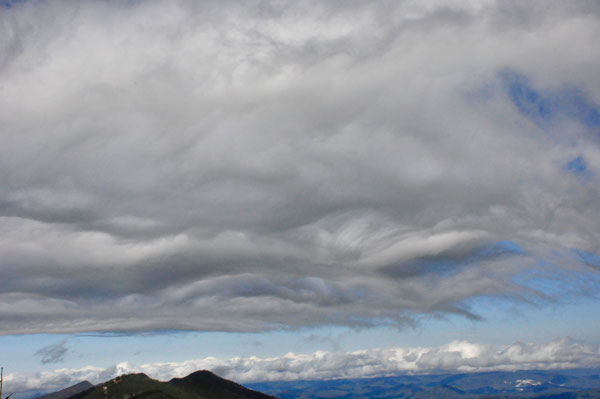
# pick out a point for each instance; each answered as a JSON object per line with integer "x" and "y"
{"x": 197, "y": 377}
{"x": 131, "y": 386}
{"x": 199, "y": 385}
{"x": 204, "y": 382}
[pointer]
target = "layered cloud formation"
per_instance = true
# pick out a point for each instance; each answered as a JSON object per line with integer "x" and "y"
{"x": 244, "y": 166}
{"x": 458, "y": 356}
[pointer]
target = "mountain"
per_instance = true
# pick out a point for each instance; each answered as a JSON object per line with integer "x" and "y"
{"x": 68, "y": 392}
{"x": 533, "y": 384}
{"x": 199, "y": 385}
{"x": 207, "y": 384}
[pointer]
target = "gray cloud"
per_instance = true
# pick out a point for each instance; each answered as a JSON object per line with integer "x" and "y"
{"x": 457, "y": 356}
{"x": 238, "y": 166}
{"x": 53, "y": 353}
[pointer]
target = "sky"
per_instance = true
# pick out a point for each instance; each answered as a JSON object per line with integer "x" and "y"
{"x": 281, "y": 190}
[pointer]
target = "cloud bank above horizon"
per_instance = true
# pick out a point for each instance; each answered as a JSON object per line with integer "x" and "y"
{"x": 457, "y": 356}
{"x": 247, "y": 166}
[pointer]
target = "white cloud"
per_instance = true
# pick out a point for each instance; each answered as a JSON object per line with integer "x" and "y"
{"x": 457, "y": 356}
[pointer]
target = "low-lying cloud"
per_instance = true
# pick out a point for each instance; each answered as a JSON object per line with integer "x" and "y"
{"x": 457, "y": 356}
{"x": 245, "y": 166}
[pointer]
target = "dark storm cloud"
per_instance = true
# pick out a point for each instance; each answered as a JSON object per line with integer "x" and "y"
{"x": 246, "y": 166}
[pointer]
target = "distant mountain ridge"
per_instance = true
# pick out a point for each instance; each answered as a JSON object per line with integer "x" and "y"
{"x": 199, "y": 385}
{"x": 68, "y": 392}
{"x": 532, "y": 384}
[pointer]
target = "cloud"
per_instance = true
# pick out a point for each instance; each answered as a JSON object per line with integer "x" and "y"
{"x": 53, "y": 353}
{"x": 457, "y": 356}
{"x": 247, "y": 166}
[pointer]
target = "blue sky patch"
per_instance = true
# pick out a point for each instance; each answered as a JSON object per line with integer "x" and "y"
{"x": 504, "y": 247}
{"x": 9, "y": 4}
{"x": 527, "y": 99}
{"x": 577, "y": 106}
{"x": 543, "y": 106}
{"x": 577, "y": 165}
{"x": 586, "y": 257}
